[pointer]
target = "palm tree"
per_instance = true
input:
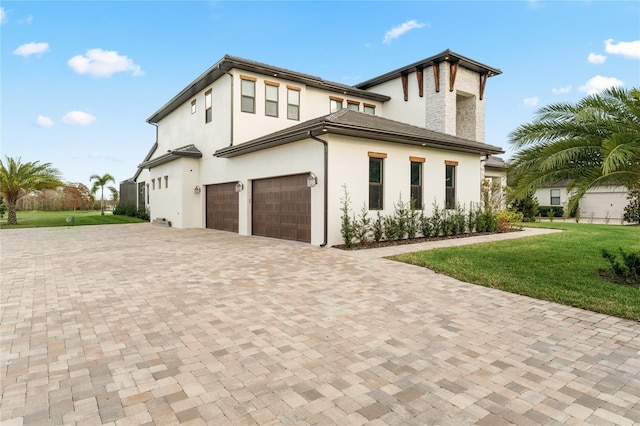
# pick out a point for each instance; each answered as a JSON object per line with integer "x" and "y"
{"x": 115, "y": 195}
{"x": 18, "y": 179}
{"x": 100, "y": 182}
{"x": 592, "y": 143}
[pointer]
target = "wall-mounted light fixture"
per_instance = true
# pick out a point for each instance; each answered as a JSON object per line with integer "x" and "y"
{"x": 312, "y": 180}
{"x": 239, "y": 187}
{"x": 196, "y": 190}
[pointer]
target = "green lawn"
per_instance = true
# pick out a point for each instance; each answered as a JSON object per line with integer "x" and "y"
{"x": 559, "y": 267}
{"x": 78, "y": 218}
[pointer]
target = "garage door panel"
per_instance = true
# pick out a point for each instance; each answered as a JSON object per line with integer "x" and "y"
{"x": 222, "y": 207}
{"x": 282, "y": 208}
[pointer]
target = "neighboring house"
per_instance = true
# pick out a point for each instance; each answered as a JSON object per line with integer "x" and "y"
{"x": 601, "y": 203}
{"x": 259, "y": 150}
{"x": 495, "y": 171}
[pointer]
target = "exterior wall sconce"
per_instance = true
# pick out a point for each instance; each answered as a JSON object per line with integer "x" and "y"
{"x": 312, "y": 180}
{"x": 196, "y": 190}
{"x": 239, "y": 187}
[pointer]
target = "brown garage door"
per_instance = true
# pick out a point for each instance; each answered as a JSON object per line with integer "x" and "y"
{"x": 282, "y": 208}
{"x": 222, "y": 207}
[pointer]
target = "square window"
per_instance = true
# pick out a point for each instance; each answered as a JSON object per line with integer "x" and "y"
{"x": 369, "y": 109}
{"x": 353, "y": 106}
{"x": 335, "y": 104}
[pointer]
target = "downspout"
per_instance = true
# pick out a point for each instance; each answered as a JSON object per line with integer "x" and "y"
{"x": 231, "y": 127}
{"x": 326, "y": 184}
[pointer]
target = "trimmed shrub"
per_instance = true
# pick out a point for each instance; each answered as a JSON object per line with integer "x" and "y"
{"x": 551, "y": 211}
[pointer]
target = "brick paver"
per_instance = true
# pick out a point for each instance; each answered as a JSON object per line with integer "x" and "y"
{"x": 136, "y": 324}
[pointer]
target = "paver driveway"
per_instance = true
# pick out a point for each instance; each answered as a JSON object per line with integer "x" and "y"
{"x": 137, "y": 324}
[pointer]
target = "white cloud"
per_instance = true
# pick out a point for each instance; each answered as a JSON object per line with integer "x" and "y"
{"x": 561, "y": 90}
{"x": 32, "y": 48}
{"x": 401, "y": 29}
{"x": 27, "y": 20}
{"x": 599, "y": 83}
{"x": 628, "y": 49}
{"x": 3, "y": 15}
{"x": 103, "y": 63}
{"x": 43, "y": 121}
{"x": 594, "y": 58}
{"x": 78, "y": 117}
{"x": 531, "y": 101}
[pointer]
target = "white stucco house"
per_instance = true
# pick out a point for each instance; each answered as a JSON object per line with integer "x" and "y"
{"x": 260, "y": 150}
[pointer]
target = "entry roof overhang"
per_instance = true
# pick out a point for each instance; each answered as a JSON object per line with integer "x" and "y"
{"x": 187, "y": 151}
{"x": 446, "y": 55}
{"x": 360, "y": 125}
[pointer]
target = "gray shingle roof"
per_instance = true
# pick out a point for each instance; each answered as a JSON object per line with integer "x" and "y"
{"x": 357, "y": 124}
{"x": 187, "y": 151}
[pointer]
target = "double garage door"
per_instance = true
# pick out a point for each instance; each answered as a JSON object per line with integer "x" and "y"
{"x": 281, "y": 208}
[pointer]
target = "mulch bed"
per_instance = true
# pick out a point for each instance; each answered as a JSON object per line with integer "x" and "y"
{"x": 378, "y": 244}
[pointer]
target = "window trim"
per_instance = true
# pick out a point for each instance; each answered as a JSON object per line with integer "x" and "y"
{"x": 208, "y": 110}
{"x": 293, "y": 89}
{"x": 354, "y": 103}
{"x": 243, "y": 96}
{"x": 268, "y": 84}
{"x": 551, "y": 197}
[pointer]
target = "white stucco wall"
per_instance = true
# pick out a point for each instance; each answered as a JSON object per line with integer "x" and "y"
{"x": 349, "y": 164}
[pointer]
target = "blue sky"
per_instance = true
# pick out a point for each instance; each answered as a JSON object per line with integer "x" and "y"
{"x": 79, "y": 79}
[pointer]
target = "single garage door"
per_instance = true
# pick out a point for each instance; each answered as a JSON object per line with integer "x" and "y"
{"x": 222, "y": 207}
{"x": 282, "y": 208}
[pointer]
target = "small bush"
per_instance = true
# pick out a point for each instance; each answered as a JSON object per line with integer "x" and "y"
{"x": 551, "y": 211}
{"x": 425, "y": 225}
{"x": 507, "y": 218}
{"x": 362, "y": 225}
{"x": 627, "y": 268}
{"x": 377, "y": 228}
{"x": 347, "y": 227}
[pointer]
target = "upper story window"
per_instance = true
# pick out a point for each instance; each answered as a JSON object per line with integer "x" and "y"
{"x": 450, "y": 184}
{"x": 369, "y": 109}
{"x": 353, "y": 105}
{"x": 416, "y": 181}
{"x": 271, "y": 99}
{"x": 248, "y": 102}
{"x": 555, "y": 197}
{"x": 208, "y": 106}
{"x": 153, "y": 183}
{"x": 376, "y": 189}
{"x": 335, "y": 104}
{"x": 166, "y": 181}
{"x": 193, "y": 106}
{"x": 293, "y": 103}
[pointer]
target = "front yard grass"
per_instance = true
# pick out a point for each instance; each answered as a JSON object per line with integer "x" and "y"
{"x": 28, "y": 219}
{"x": 560, "y": 267}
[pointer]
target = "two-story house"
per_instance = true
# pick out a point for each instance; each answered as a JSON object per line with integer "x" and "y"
{"x": 260, "y": 150}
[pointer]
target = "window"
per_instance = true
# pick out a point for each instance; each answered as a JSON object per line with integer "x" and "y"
{"x": 193, "y": 106}
{"x": 353, "y": 105}
{"x": 153, "y": 182}
{"x": 159, "y": 183}
{"x": 271, "y": 99}
{"x": 248, "y": 101}
{"x": 555, "y": 197}
{"x": 376, "y": 160}
{"x": 335, "y": 104}
{"x": 416, "y": 181}
{"x": 293, "y": 103}
{"x": 147, "y": 194}
{"x": 369, "y": 109}
{"x": 450, "y": 184}
{"x": 166, "y": 181}
{"x": 207, "y": 106}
